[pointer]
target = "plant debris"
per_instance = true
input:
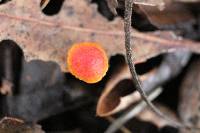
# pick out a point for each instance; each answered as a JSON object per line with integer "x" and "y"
{"x": 161, "y": 55}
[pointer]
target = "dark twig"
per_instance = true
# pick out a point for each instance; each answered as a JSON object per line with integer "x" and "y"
{"x": 130, "y": 59}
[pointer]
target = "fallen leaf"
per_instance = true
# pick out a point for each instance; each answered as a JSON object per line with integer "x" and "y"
{"x": 113, "y": 4}
{"x": 173, "y": 15}
{"x": 13, "y": 125}
{"x": 43, "y": 92}
{"x": 159, "y": 3}
{"x": 187, "y": 0}
{"x": 119, "y": 92}
{"x": 190, "y": 95}
{"x": 49, "y": 37}
{"x": 114, "y": 98}
{"x": 149, "y": 115}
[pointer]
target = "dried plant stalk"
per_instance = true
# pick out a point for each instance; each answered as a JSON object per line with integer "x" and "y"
{"x": 130, "y": 59}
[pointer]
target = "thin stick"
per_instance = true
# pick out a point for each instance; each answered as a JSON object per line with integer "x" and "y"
{"x": 130, "y": 59}
{"x": 122, "y": 128}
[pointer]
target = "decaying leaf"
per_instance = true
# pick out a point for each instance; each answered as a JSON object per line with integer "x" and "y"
{"x": 190, "y": 95}
{"x": 132, "y": 112}
{"x": 113, "y": 4}
{"x": 13, "y": 125}
{"x": 173, "y": 15}
{"x": 43, "y": 93}
{"x": 119, "y": 93}
{"x": 148, "y": 115}
{"x": 49, "y": 37}
{"x": 159, "y": 3}
{"x": 114, "y": 98}
{"x": 187, "y": 0}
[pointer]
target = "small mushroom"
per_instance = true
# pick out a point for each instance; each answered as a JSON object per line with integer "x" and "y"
{"x": 87, "y": 61}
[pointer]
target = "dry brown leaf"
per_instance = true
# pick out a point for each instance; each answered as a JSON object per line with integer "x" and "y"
{"x": 174, "y": 14}
{"x": 149, "y": 115}
{"x": 188, "y": 0}
{"x": 112, "y": 4}
{"x": 119, "y": 92}
{"x": 116, "y": 95}
{"x": 13, "y": 125}
{"x": 49, "y": 37}
{"x": 159, "y": 3}
{"x": 190, "y": 95}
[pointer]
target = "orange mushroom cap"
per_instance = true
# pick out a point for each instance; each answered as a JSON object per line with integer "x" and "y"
{"x": 87, "y": 61}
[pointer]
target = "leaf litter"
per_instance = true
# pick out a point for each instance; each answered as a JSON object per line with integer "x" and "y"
{"x": 48, "y": 38}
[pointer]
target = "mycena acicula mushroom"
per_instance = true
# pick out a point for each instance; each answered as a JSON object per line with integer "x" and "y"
{"x": 87, "y": 61}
